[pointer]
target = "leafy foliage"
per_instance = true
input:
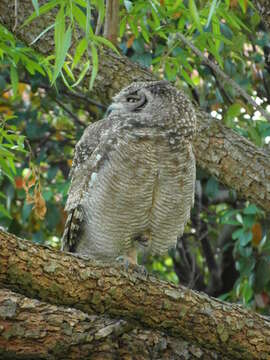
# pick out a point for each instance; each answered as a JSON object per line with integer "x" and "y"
{"x": 226, "y": 248}
{"x": 75, "y": 13}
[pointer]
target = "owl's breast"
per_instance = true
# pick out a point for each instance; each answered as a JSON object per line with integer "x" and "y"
{"x": 174, "y": 195}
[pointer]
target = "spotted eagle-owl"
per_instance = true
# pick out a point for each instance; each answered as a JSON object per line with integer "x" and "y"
{"x": 133, "y": 175}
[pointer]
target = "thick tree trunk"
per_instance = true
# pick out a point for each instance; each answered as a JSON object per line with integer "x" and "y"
{"x": 30, "y": 329}
{"x": 94, "y": 288}
{"x": 232, "y": 159}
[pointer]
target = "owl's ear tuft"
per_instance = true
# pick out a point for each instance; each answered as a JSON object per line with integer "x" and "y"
{"x": 159, "y": 88}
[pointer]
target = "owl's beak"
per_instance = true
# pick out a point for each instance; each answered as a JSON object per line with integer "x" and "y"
{"x": 112, "y": 107}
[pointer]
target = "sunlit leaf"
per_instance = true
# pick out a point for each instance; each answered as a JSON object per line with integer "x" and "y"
{"x": 36, "y": 6}
{"x": 43, "y": 10}
{"x": 62, "y": 42}
{"x": 94, "y": 56}
{"x": 195, "y": 14}
{"x": 82, "y": 74}
{"x": 42, "y": 33}
{"x": 14, "y": 79}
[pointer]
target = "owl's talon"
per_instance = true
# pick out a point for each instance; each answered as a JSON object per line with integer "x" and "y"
{"x": 125, "y": 262}
{"x": 142, "y": 270}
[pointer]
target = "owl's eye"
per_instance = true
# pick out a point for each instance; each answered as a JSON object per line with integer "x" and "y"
{"x": 133, "y": 98}
{"x": 136, "y": 101}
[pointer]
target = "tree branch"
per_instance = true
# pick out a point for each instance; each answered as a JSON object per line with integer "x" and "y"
{"x": 44, "y": 273}
{"x": 40, "y": 330}
{"x": 231, "y": 158}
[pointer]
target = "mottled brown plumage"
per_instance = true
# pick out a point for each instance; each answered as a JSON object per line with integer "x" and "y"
{"x": 133, "y": 175}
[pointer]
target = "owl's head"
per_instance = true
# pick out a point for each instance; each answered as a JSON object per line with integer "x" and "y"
{"x": 155, "y": 101}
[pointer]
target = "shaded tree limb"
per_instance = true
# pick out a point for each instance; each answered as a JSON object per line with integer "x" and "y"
{"x": 231, "y": 158}
{"x": 33, "y": 329}
{"x": 98, "y": 288}
{"x": 69, "y": 112}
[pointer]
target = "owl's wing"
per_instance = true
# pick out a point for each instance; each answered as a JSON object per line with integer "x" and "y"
{"x": 83, "y": 165}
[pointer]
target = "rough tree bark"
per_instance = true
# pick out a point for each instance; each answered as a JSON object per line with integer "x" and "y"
{"x": 32, "y": 329}
{"x": 34, "y": 271}
{"x": 111, "y": 24}
{"x": 223, "y": 153}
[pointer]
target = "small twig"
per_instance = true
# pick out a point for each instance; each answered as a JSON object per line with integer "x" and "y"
{"x": 99, "y": 24}
{"x": 70, "y": 113}
{"x": 265, "y": 85}
{"x": 84, "y": 98}
{"x": 68, "y": 93}
{"x": 15, "y": 14}
{"x": 220, "y": 86}
{"x": 224, "y": 76}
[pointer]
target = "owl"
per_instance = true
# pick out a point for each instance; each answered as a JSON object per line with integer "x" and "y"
{"x": 133, "y": 175}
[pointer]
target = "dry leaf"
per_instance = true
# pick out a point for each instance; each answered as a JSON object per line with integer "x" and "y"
{"x": 256, "y": 234}
{"x": 130, "y": 41}
{"x": 39, "y": 203}
{"x": 38, "y": 200}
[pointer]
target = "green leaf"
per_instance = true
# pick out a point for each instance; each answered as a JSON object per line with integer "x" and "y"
{"x": 102, "y": 40}
{"x": 251, "y": 210}
{"x": 42, "y": 10}
{"x": 82, "y": 74}
{"x": 14, "y": 79}
{"x": 122, "y": 27}
{"x": 65, "y": 80}
{"x": 62, "y": 42}
{"x": 171, "y": 69}
{"x": 187, "y": 77}
{"x": 243, "y": 5}
{"x": 68, "y": 71}
{"x": 211, "y": 12}
{"x": 36, "y": 6}
{"x": 234, "y": 110}
{"x": 79, "y": 17}
{"x": 26, "y": 211}
{"x": 4, "y": 166}
{"x": 80, "y": 49}
{"x": 237, "y": 233}
{"x": 194, "y": 14}
{"x": 88, "y": 19}
{"x": 249, "y": 220}
{"x": 216, "y": 32}
{"x": 245, "y": 238}
{"x": 42, "y": 33}
{"x": 245, "y": 265}
{"x": 145, "y": 32}
{"x": 247, "y": 292}
{"x": 101, "y": 10}
{"x": 254, "y": 135}
{"x": 4, "y": 212}
{"x": 94, "y": 72}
